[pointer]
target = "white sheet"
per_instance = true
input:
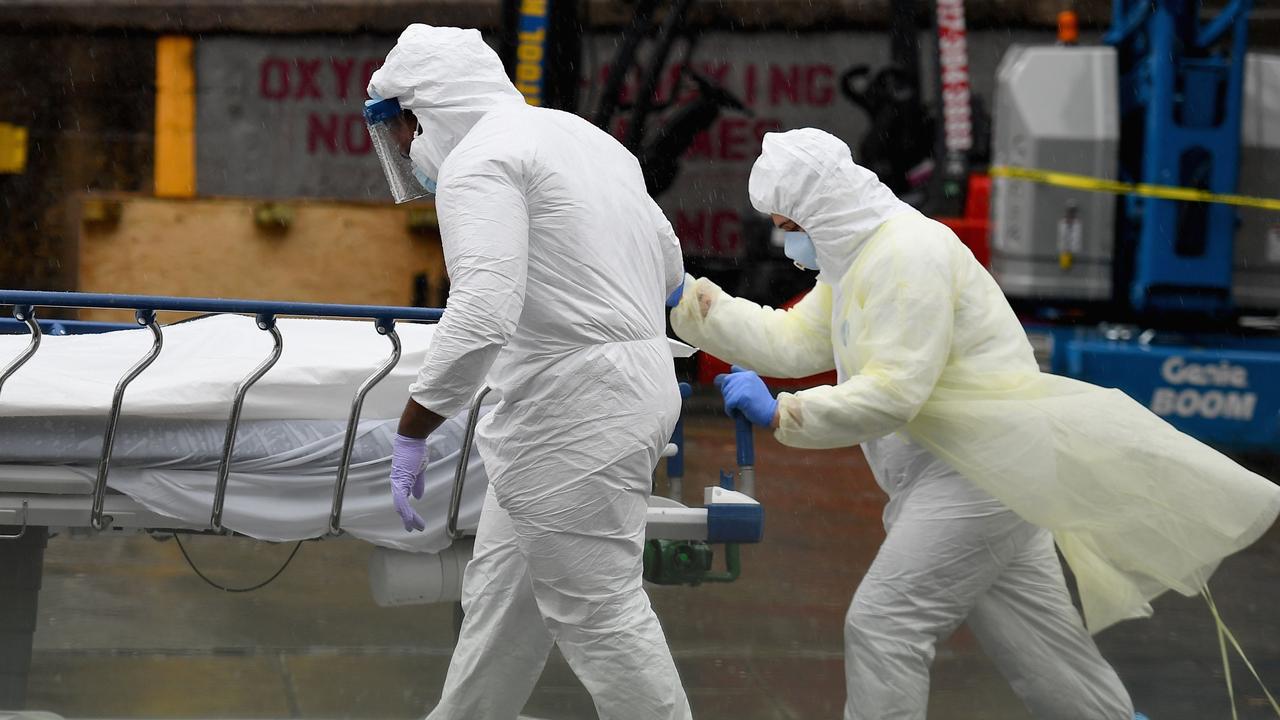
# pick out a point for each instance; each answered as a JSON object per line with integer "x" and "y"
{"x": 204, "y": 360}
{"x": 177, "y": 442}
{"x": 285, "y": 465}
{"x": 202, "y": 363}
{"x": 283, "y": 473}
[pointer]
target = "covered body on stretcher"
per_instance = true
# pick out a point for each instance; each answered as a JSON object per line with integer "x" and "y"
{"x": 170, "y": 438}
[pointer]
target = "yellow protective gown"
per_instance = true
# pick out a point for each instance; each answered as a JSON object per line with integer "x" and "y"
{"x": 926, "y": 344}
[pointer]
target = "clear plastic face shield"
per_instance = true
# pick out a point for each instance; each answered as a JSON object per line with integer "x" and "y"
{"x": 392, "y": 131}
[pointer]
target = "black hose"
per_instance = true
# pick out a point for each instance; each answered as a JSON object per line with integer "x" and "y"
{"x": 224, "y": 588}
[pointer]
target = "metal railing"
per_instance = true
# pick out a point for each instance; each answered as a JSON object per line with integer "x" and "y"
{"x": 464, "y": 458}
{"x": 145, "y": 308}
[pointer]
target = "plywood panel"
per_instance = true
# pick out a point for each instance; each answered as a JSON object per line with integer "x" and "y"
{"x": 332, "y": 252}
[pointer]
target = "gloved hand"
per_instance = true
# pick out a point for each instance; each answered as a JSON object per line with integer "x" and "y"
{"x": 408, "y": 460}
{"x": 674, "y": 298}
{"x": 744, "y": 391}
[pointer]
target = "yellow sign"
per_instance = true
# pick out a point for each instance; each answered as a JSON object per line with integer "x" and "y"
{"x": 175, "y": 135}
{"x": 1163, "y": 192}
{"x": 531, "y": 50}
{"x": 13, "y": 149}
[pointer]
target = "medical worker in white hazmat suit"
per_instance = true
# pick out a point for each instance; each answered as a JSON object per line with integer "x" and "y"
{"x": 559, "y": 264}
{"x": 986, "y": 461}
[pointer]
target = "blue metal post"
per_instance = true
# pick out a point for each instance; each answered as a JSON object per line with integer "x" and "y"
{"x": 745, "y": 441}
{"x": 675, "y": 463}
{"x": 1187, "y": 97}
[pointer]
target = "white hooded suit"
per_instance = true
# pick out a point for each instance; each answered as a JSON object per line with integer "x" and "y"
{"x": 559, "y": 264}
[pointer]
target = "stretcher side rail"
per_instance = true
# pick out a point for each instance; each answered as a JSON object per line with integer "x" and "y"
{"x": 664, "y": 519}
{"x": 145, "y": 307}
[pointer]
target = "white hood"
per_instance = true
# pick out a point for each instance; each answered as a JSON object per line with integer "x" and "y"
{"x": 809, "y": 176}
{"x": 449, "y": 78}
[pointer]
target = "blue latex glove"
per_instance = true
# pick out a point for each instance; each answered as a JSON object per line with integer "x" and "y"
{"x": 744, "y": 391}
{"x": 408, "y": 463}
{"x": 674, "y": 298}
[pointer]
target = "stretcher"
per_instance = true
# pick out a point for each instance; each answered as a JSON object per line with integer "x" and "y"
{"x": 194, "y": 428}
{"x": 247, "y": 447}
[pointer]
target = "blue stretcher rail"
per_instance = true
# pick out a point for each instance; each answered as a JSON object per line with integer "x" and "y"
{"x": 34, "y": 298}
{"x": 145, "y": 307}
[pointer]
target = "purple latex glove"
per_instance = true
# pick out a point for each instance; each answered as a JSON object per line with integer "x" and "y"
{"x": 408, "y": 461}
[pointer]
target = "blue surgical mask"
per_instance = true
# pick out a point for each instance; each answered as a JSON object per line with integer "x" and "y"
{"x": 427, "y": 181}
{"x": 799, "y": 248}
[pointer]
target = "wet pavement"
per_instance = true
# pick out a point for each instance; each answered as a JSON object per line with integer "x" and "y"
{"x": 126, "y": 630}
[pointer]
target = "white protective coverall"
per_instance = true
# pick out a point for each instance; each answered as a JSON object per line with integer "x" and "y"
{"x": 938, "y": 383}
{"x": 559, "y": 265}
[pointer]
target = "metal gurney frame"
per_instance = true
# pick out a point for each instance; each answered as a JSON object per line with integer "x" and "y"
{"x": 145, "y": 308}
{"x": 727, "y": 518}
{"x": 681, "y": 556}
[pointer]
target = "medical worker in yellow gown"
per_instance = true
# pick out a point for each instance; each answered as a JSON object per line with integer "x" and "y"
{"x": 986, "y": 460}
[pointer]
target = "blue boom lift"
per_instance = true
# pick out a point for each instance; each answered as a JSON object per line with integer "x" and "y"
{"x": 1172, "y": 301}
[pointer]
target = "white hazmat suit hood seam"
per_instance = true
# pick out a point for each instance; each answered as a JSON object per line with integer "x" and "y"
{"x": 809, "y": 176}
{"x": 450, "y": 78}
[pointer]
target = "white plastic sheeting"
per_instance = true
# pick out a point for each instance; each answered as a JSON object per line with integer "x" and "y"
{"x": 53, "y": 414}
{"x": 203, "y": 362}
{"x": 288, "y": 446}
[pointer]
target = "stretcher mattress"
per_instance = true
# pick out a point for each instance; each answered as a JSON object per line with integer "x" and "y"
{"x": 169, "y": 442}
{"x": 181, "y": 442}
{"x": 281, "y": 489}
{"x": 202, "y": 363}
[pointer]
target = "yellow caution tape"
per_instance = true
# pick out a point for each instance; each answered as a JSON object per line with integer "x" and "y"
{"x": 1163, "y": 192}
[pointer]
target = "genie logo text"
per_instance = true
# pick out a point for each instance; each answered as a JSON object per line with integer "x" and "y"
{"x": 1218, "y": 390}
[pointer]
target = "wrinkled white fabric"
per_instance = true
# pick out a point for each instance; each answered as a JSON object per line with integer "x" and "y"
{"x": 434, "y": 72}
{"x": 938, "y": 383}
{"x": 559, "y": 266}
{"x": 281, "y": 495}
{"x": 203, "y": 362}
{"x": 172, "y": 429}
{"x": 838, "y": 229}
{"x": 953, "y": 553}
{"x": 167, "y": 449}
